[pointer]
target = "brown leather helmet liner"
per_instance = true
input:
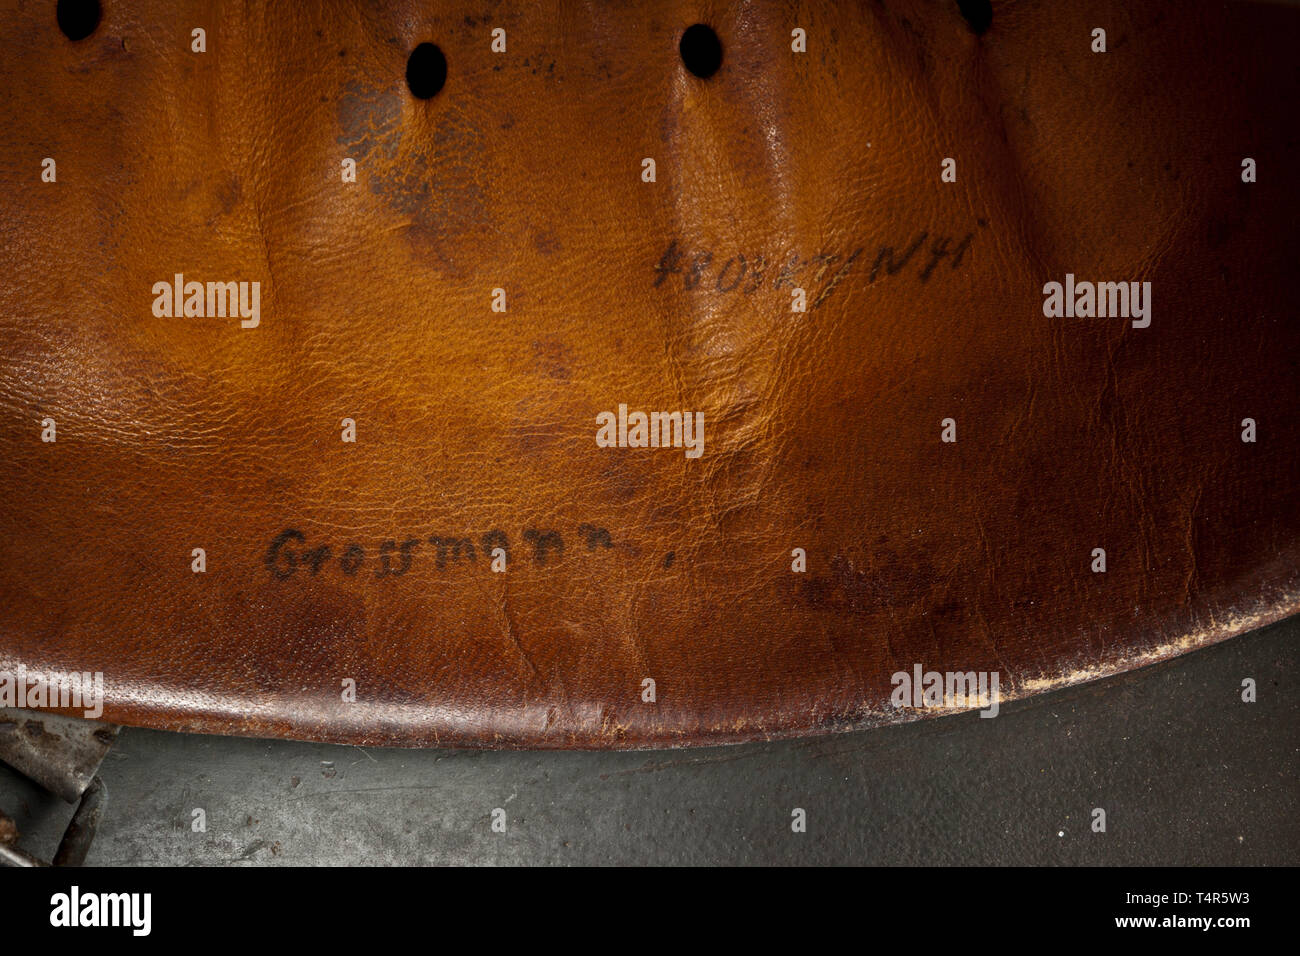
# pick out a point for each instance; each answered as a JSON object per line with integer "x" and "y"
{"x": 503, "y": 272}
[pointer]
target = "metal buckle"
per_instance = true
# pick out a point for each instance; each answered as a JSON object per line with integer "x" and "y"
{"x": 63, "y": 755}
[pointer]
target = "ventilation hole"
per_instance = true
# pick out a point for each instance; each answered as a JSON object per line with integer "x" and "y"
{"x": 77, "y": 18}
{"x": 701, "y": 50}
{"x": 978, "y": 14}
{"x": 426, "y": 71}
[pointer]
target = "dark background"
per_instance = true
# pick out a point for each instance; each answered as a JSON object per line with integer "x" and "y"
{"x": 1187, "y": 774}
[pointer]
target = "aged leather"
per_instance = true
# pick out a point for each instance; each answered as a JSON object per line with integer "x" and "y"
{"x": 822, "y": 429}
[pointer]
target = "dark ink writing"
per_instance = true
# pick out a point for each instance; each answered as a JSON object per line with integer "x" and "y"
{"x": 289, "y": 552}
{"x": 819, "y": 274}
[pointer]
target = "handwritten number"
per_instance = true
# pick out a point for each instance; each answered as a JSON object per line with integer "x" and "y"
{"x": 725, "y": 269}
{"x": 701, "y": 262}
{"x": 669, "y": 264}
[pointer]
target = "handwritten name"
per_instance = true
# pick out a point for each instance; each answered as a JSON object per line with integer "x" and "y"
{"x": 823, "y": 271}
{"x": 290, "y": 552}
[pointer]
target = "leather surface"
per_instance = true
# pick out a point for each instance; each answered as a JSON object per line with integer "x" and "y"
{"x": 822, "y": 429}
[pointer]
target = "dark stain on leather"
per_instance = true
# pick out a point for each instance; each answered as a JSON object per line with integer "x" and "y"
{"x": 888, "y": 581}
{"x": 228, "y": 193}
{"x": 553, "y": 359}
{"x": 430, "y": 172}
